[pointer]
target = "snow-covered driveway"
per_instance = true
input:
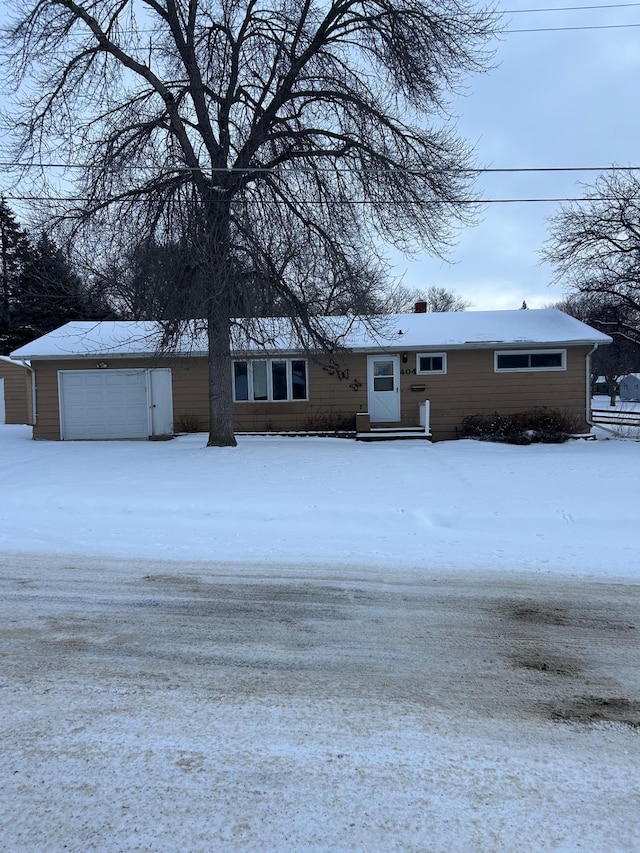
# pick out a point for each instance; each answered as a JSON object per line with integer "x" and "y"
{"x": 170, "y": 706}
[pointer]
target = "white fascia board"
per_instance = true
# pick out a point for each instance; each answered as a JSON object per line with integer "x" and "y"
{"x": 472, "y": 345}
{"x": 105, "y": 356}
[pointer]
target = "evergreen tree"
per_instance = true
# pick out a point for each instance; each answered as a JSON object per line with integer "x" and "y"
{"x": 14, "y": 252}
{"x": 39, "y": 290}
{"x": 49, "y": 294}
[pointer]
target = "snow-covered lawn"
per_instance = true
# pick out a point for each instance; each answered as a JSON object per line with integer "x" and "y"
{"x": 618, "y": 426}
{"x": 319, "y": 645}
{"x": 602, "y": 401}
{"x": 409, "y": 506}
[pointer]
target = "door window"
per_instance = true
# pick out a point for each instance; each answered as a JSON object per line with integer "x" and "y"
{"x": 383, "y": 376}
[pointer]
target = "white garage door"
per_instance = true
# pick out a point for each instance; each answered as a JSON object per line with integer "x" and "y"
{"x": 102, "y": 404}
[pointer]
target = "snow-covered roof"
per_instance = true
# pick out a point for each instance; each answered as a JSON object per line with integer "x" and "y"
{"x": 460, "y": 330}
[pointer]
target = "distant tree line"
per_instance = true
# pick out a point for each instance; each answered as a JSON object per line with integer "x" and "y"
{"x": 608, "y": 315}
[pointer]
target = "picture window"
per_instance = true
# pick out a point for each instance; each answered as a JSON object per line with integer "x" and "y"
{"x": 270, "y": 380}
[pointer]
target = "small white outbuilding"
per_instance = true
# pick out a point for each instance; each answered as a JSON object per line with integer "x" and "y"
{"x": 630, "y": 387}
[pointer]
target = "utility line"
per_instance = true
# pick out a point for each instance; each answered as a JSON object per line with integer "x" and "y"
{"x": 561, "y": 29}
{"x": 308, "y": 170}
{"x": 499, "y": 12}
{"x": 153, "y": 49}
{"x": 565, "y": 8}
{"x": 346, "y": 202}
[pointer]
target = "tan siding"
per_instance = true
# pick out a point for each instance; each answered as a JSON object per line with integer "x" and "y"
{"x": 47, "y": 424}
{"x": 17, "y": 392}
{"x": 470, "y": 386}
{"x": 334, "y": 400}
{"x": 190, "y": 394}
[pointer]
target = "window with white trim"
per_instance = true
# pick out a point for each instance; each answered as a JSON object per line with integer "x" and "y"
{"x": 431, "y": 362}
{"x": 510, "y": 361}
{"x": 270, "y": 380}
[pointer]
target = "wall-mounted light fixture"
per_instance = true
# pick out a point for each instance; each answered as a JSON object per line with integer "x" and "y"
{"x": 405, "y": 357}
{"x": 102, "y": 364}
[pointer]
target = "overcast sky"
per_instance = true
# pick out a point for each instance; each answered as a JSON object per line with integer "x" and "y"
{"x": 554, "y": 98}
{"x": 565, "y": 98}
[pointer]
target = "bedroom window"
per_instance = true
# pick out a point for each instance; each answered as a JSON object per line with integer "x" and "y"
{"x": 431, "y": 362}
{"x": 524, "y": 360}
{"x": 269, "y": 380}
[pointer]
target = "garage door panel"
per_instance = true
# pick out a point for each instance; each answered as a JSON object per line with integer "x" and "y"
{"x": 103, "y": 404}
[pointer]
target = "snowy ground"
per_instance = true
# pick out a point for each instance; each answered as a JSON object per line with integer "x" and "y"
{"x": 621, "y": 408}
{"x": 319, "y": 645}
{"x": 396, "y": 506}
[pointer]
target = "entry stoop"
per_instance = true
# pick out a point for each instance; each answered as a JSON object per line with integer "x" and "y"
{"x": 365, "y": 432}
{"x": 394, "y": 434}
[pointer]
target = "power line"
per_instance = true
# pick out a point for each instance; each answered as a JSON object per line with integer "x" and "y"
{"x": 308, "y": 170}
{"x": 150, "y": 47}
{"x": 561, "y": 29}
{"x": 566, "y": 8}
{"x": 468, "y": 201}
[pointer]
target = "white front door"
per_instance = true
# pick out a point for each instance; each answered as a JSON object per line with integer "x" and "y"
{"x": 3, "y": 411}
{"x": 383, "y": 382}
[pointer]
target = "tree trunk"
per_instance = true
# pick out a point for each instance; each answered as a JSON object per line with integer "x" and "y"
{"x": 220, "y": 390}
{"x": 218, "y": 297}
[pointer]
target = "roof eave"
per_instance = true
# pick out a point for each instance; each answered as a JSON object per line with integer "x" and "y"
{"x": 81, "y": 356}
{"x": 467, "y": 345}
{"x": 392, "y": 346}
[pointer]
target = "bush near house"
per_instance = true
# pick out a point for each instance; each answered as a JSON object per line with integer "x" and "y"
{"x": 549, "y": 426}
{"x": 190, "y": 422}
{"x": 330, "y": 420}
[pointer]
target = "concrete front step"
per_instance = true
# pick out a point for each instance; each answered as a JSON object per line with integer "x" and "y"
{"x": 407, "y": 434}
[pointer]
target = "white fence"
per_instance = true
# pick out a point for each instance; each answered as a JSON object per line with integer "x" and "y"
{"x": 616, "y": 417}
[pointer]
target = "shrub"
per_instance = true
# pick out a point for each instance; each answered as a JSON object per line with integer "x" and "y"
{"x": 189, "y": 422}
{"x": 330, "y": 421}
{"x": 549, "y": 426}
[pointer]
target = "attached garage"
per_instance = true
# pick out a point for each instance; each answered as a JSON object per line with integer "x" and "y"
{"x": 111, "y": 404}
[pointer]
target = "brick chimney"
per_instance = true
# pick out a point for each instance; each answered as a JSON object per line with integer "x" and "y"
{"x": 420, "y": 308}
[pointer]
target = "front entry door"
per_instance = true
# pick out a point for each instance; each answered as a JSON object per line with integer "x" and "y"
{"x": 383, "y": 381}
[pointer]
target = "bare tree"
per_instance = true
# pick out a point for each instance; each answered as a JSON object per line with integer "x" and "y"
{"x": 279, "y": 139}
{"x": 607, "y": 315}
{"x": 440, "y": 299}
{"x": 437, "y": 299}
{"x": 595, "y": 249}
